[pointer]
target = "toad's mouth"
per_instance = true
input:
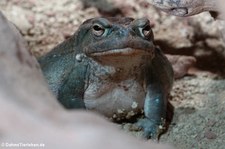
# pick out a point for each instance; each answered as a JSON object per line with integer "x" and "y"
{"x": 122, "y": 52}
{"x": 125, "y": 57}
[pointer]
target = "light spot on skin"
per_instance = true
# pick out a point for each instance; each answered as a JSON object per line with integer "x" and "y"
{"x": 114, "y": 116}
{"x": 157, "y": 100}
{"x": 130, "y": 114}
{"x": 120, "y": 111}
{"x": 79, "y": 57}
{"x": 161, "y": 127}
{"x": 134, "y": 105}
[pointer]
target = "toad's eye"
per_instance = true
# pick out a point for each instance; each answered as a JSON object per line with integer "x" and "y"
{"x": 146, "y": 31}
{"x": 98, "y": 30}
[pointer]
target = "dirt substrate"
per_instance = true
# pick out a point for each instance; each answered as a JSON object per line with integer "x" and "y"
{"x": 198, "y": 98}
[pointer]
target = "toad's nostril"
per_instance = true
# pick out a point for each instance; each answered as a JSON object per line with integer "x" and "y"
{"x": 146, "y": 30}
{"x": 140, "y": 22}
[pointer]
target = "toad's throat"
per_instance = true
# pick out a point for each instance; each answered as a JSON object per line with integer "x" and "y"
{"x": 121, "y": 52}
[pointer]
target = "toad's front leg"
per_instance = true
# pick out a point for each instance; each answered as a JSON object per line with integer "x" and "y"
{"x": 154, "y": 112}
{"x": 71, "y": 92}
{"x": 159, "y": 80}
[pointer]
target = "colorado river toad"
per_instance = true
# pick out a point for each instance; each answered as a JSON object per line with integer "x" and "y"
{"x": 112, "y": 66}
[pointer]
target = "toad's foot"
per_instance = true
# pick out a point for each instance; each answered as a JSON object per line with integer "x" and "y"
{"x": 151, "y": 128}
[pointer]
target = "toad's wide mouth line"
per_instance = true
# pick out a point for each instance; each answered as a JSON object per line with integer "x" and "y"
{"x": 121, "y": 52}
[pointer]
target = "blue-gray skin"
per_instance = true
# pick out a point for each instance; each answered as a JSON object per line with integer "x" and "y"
{"x": 112, "y": 66}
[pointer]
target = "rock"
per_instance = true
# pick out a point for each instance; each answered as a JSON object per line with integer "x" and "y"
{"x": 19, "y": 17}
{"x": 196, "y": 28}
{"x": 210, "y": 135}
{"x": 221, "y": 8}
{"x": 185, "y": 7}
{"x": 105, "y": 7}
{"x": 181, "y": 64}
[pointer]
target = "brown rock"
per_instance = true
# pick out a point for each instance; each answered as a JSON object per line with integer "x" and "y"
{"x": 181, "y": 64}
{"x": 210, "y": 135}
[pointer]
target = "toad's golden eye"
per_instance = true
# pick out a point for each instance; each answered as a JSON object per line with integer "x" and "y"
{"x": 146, "y": 31}
{"x": 98, "y": 30}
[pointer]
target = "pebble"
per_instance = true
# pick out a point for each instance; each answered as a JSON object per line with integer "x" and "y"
{"x": 210, "y": 135}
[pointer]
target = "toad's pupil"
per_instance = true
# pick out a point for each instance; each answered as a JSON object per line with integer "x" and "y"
{"x": 98, "y": 28}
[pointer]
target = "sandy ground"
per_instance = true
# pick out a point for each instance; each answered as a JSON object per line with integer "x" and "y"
{"x": 198, "y": 98}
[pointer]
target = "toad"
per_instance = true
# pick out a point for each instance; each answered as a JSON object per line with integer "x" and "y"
{"x": 111, "y": 65}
